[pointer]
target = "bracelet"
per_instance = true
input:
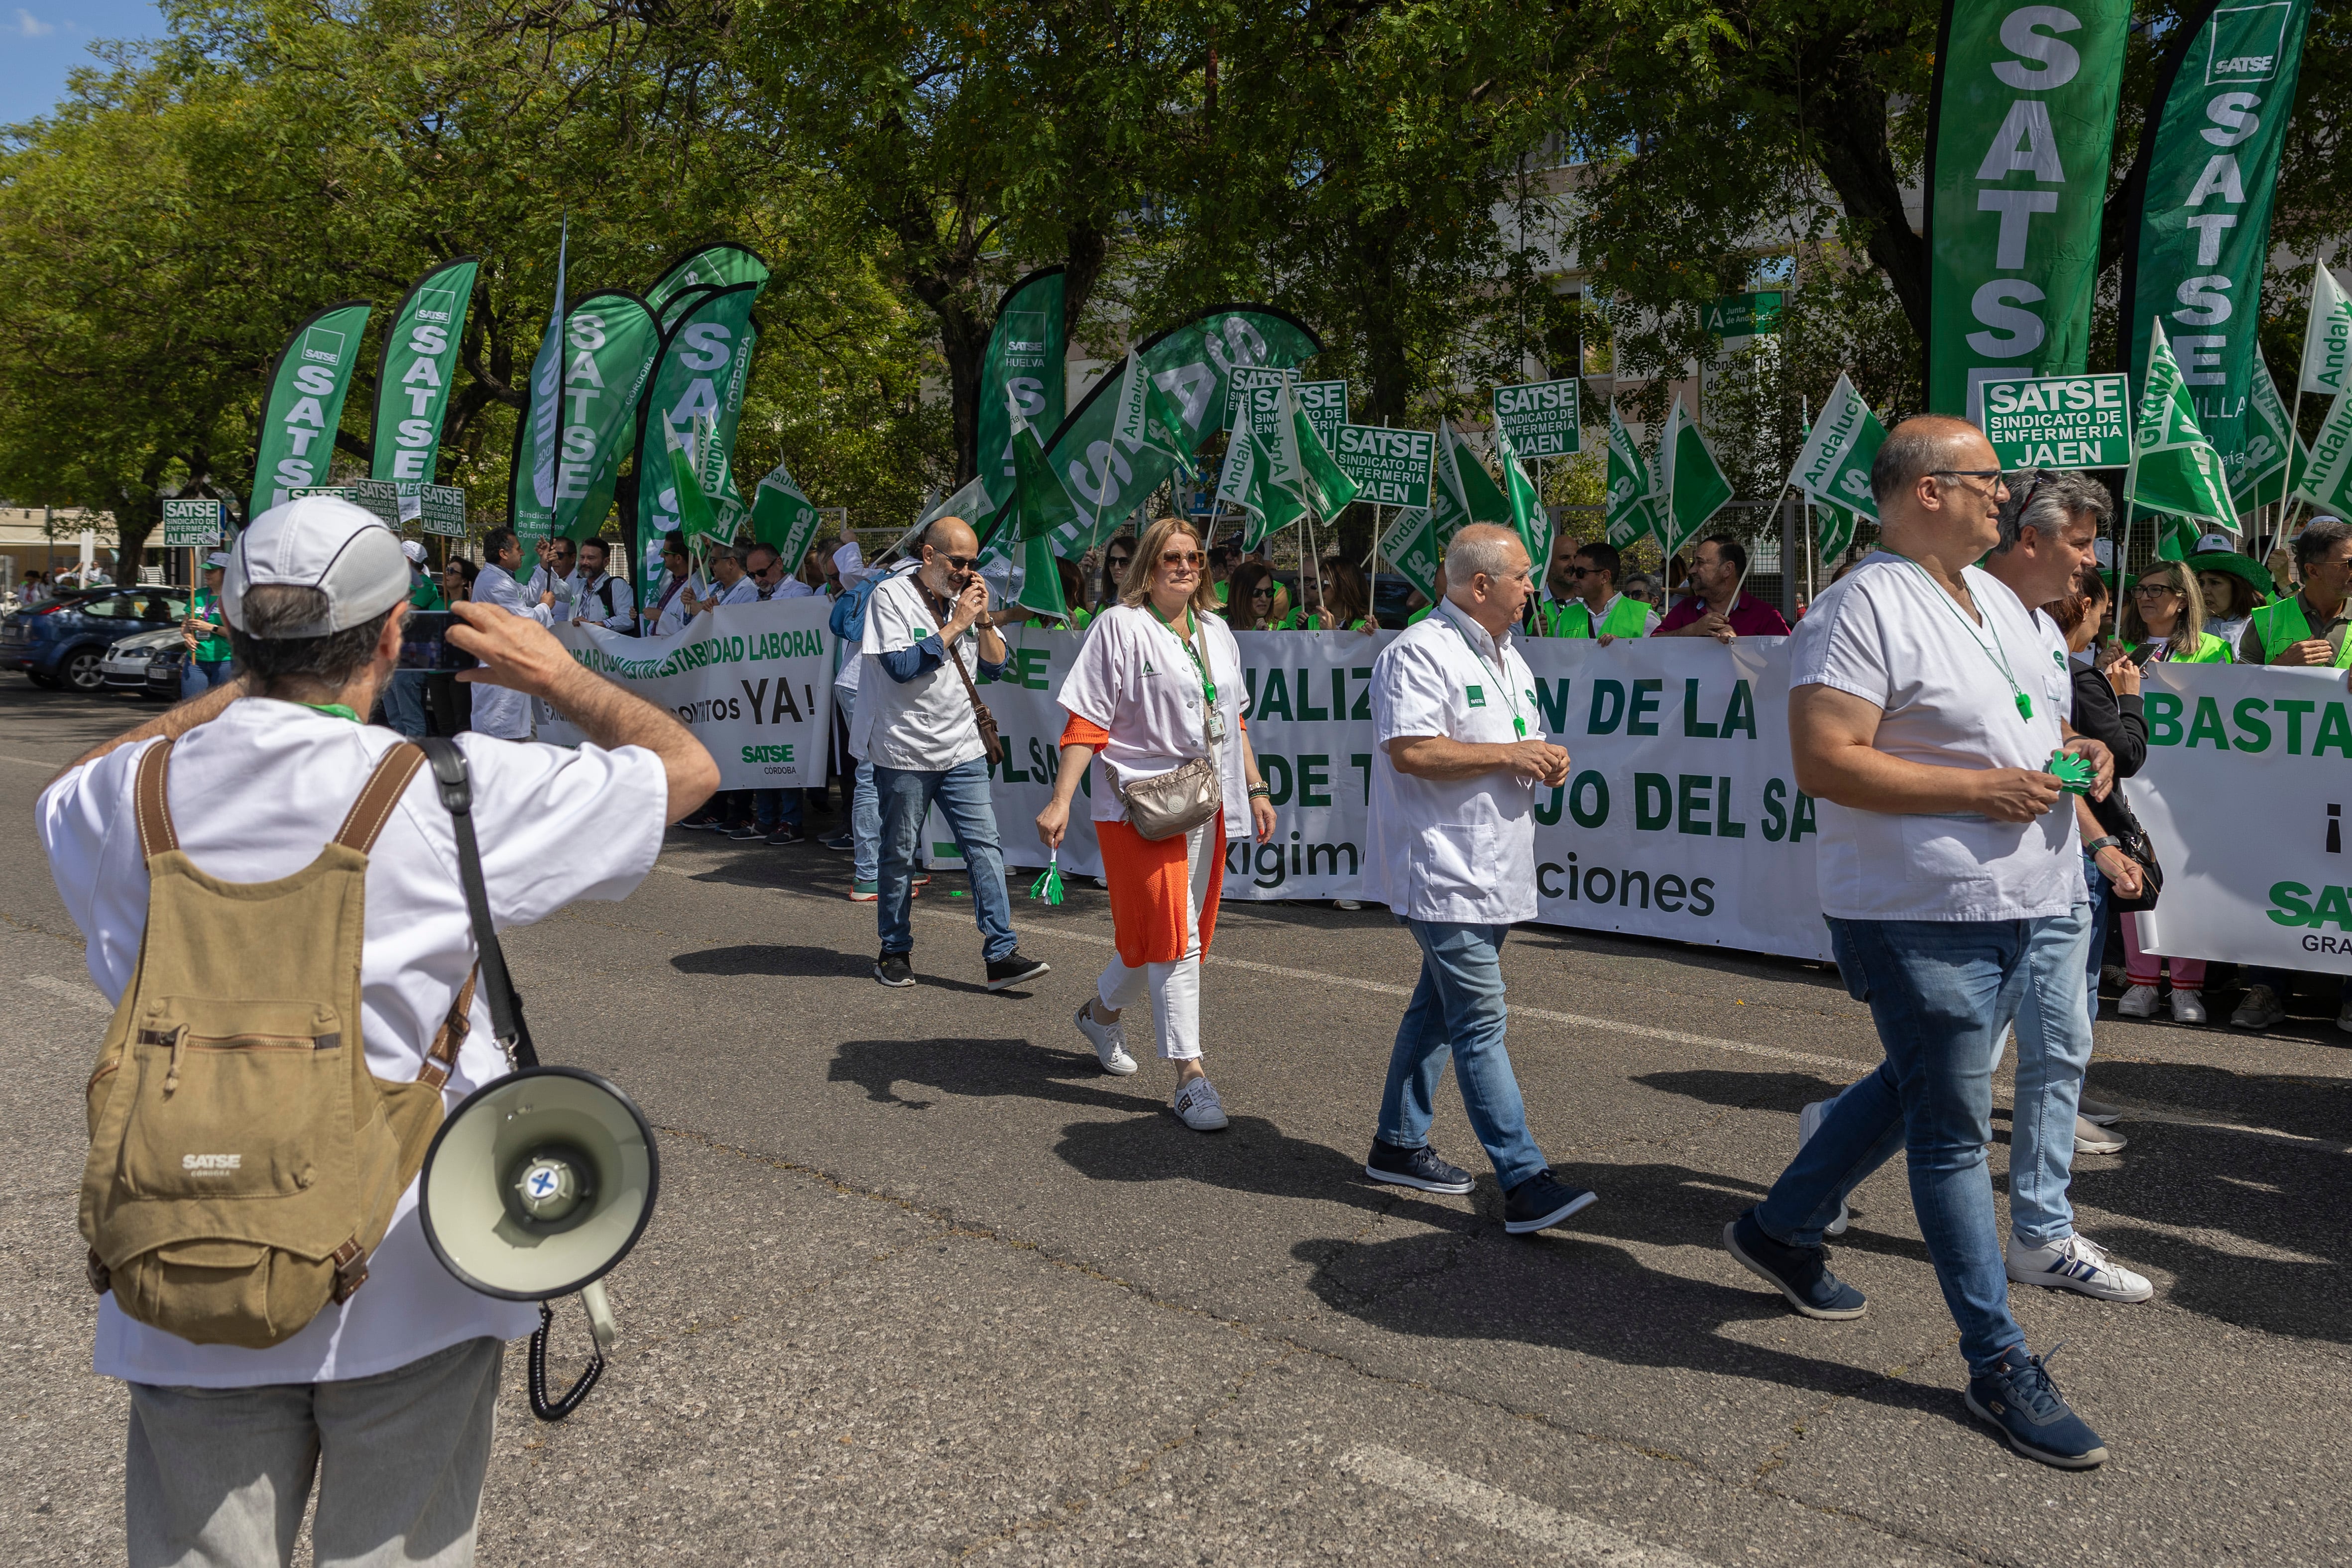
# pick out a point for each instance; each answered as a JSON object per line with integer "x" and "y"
{"x": 2109, "y": 842}
{"x": 1261, "y": 792}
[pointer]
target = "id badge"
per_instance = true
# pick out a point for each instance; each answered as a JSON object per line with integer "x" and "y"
{"x": 1215, "y": 724}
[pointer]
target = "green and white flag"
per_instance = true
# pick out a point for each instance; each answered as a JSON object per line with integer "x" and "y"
{"x": 1690, "y": 480}
{"x": 1834, "y": 466}
{"x": 2326, "y": 336}
{"x": 2327, "y": 481}
{"x": 1834, "y": 528}
{"x": 1632, "y": 506}
{"x": 2022, "y": 121}
{"x": 723, "y": 263}
{"x": 2175, "y": 470}
{"x": 538, "y": 426}
{"x": 1526, "y": 503}
{"x": 1275, "y": 483}
{"x": 1022, "y": 368}
{"x": 1449, "y": 508}
{"x": 610, "y": 340}
{"x": 1039, "y": 509}
{"x": 418, "y": 368}
{"x": 1144, "y": 419}
{"x": 305, "y": 404}
{"x": 698, "y": 375}
{"x": 784, "y": 516}
{"x": 2264, "y": 477}
{"x": 1324, "y": 483}
{"x": 1410, "y": 545}
{"x": 694, "y": 517}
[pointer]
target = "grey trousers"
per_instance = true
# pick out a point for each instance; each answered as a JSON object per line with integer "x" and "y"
{"x": 217, "y": 1477}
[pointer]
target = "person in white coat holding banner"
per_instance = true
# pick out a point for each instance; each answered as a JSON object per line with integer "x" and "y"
{"x": 1157, "y": 684}
{"x": 502, "y": 711}
{"x": 1457, "y": 754}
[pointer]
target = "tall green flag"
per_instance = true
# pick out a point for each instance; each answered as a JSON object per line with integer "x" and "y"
{"x": 1193, "y": 365}
{"x": 1483, "y": 497}
{"x": 1324, "y": 483}
{"x": 1632, "y": 509}
{"x": 1526, "y": 503}
{"x": 722, "y": 264}
{"x": 1023, "y": 365}
{"x": 1271, "y": 485}
{"x": 784, "y": 516}
{"x": 1449, "y": 505}
{"x": 304, "y": 406}
{"x": 2021, "y": 121}
{"x": 2326, "y": 337}
{"x": 1039, "y": 509}
{"x": 2270, "y": 445}
{"x": 2327, "y": 481}
{"x": 1834, "y": 466}
{"x": 418, "y": 368}
{"x": 2197, "y": 203}
{"x": 610, "y": 340}
{"x": 1692, "y": 482}
{"x": 1410, "y": 545}
{"x": 2175, "y": 470}
{"x": 530, "y": 481}
{"x": 697, "y": 375}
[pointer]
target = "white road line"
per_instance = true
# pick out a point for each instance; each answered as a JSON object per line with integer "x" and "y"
{"x": 1587, "y": 1540}
{"x": 31, "y": 762}
{"x": 79, "y": 993}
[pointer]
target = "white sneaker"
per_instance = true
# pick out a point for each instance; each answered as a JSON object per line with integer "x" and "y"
{"x": 1109, "y": 1041}
{"x": 1809, "y": 1121}
{"x": 2139, "y": 1002}
{"x": 2098, "y": 1112}
{"x": 1198, "y": 1106}
{"x": 1346, "y": 904}
{"x": 2077, "y": 1263}
{"x": 2188, "y": 1006}
{"x": 2090, "y": 1138}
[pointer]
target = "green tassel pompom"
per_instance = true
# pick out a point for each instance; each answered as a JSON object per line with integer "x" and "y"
{"x": 1048, "y": 887}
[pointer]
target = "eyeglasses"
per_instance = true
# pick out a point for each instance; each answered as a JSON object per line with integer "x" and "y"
{"x": 2151, "y": 589}
{"x": 1580, "y": 571}
{"x": 1261, "y": 594}
{"x": 1182, "y": 558}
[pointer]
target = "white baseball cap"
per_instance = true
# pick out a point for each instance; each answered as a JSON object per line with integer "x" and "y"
{"x": 219, "y": 557}
{"x": 322, "y": 543}
{"x": 412, "y": 551}
{"x": 2212, "y": 542}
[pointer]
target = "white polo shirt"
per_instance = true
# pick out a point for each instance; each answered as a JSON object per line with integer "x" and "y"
{"x": 925, "y": 725}
{"x": 254, "y": 794}
{"x": 1134, "y": 678}
{"x": 1459, "y": 849}
{"x": 1885, "y": 633}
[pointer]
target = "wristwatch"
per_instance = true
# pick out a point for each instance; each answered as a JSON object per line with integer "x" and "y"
{"x": 2108, "y": 842}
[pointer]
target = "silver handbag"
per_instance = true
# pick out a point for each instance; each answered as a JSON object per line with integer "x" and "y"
{"x": 1175, "y": 802}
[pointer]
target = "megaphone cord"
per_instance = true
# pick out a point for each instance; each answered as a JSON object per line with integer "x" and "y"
{"x": 558, "y": 1409}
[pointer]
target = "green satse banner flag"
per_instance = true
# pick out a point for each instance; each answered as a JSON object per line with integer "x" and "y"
{"x": 1024, "y": 356}
{"x": 2023, "y": 120}
{"x": 1835, "y": 467}
{"x": 419, "y": 366}
{"x": 695, "y": 375}
{"x": 610, "y": 340}
{"x": 721, "y": 265}
{"x": 1326, "y": 485}
{"x": 1107, "y": 476}
{"x": 2175, "y": 470}
{"x": 783, "y": 516}
{"x": 2209, "y": 156}
{"x": 296, "y": 444}
{"x": 1692, "y": 480}
{"x": 1411, "y": 547}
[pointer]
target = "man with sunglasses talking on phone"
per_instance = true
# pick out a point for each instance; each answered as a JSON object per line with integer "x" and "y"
{"x": 930, "y": 640}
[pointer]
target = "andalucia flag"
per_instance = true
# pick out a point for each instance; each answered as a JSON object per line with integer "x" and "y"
{"x": 1632, "y": 506}
{"x": 1690, "y": 481}
{"x": 2175, "y": 470}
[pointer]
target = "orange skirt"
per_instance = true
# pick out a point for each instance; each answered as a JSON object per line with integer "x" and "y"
{"x": 1150, "y": 888}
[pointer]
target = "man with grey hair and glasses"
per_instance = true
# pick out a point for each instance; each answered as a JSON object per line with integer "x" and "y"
{"x": 1926, "y": 706}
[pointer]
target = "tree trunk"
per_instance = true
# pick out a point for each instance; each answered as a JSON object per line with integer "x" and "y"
{"x": 1850, "y": 123}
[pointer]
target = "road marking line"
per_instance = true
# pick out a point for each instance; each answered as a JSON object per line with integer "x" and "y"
{"x": 31, "y": 762}
{"x": 1586, "y": 1539}
{"x": 82, "y": 995}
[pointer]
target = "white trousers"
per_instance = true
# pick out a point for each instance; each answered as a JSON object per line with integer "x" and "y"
{"x": 1174, "y": 987}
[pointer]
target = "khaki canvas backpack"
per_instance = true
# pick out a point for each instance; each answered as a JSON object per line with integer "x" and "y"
{"x": 242, "y": 1161}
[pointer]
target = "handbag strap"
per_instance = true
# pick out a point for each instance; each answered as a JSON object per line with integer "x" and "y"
{"x": 979, "y": 710}
{"x": 456, "y": 788}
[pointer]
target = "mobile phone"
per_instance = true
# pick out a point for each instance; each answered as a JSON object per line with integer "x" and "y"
{"x": 424, "y": 643}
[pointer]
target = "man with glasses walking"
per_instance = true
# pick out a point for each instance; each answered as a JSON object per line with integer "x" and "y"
{"x": 1925, "y": 703}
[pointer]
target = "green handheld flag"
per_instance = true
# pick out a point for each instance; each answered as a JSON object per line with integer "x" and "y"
{"x": 2270, "y": 448}
{"x": 305, "y": 404}
{"x": 2175, "y": 470}
{"x": 419, "y": 366}
{"x": 2326, "y": 337}
{"x": 1695, "y": 489}
{"x": 2327, "y": 481}
{"x": 1633, "y": 507}
{"x": 1039, "y": 510}
{"x": 1330, "y": 488}
{"x": 1527, "y": 513}
{"x": 1143, "y": 418}
{"x": 1480, "y": 494}
{"x": 1834, "y": 466}
{"x": 694, "y": 515}
{"x": 1833, "y": 529}
{"x": 2021, "y": 117}
{"x": 1411, "y": 547}
{"x": 784, "y": 516}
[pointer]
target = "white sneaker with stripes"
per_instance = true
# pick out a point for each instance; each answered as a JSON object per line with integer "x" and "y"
{"x": 2077, "y": 1263}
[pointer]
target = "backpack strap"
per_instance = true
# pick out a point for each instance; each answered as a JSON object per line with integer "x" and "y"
{"x": 378, "y": 796}
{"x": 153, "y": 810}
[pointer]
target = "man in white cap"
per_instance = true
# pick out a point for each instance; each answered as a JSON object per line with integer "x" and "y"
{"x": 208, "y": 652}
{"x": 384, "y": 1399}
{"x": 403, "y": 699}
{"x": 496, "y": 711}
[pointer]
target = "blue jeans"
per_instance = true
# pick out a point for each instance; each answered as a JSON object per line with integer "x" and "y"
{"x": 773, "y": 809}
{"x": 1457, "y": 1006}
{"x": 198, "y": 676}
{"x": 2096, "y": 958}
{"x": 961, "y": 795}
{"x": 2053, "y": 1051}
{"x": 865, "y": 825}
{"x": 1940, "y": 992}
{"x": 404, "y": 702}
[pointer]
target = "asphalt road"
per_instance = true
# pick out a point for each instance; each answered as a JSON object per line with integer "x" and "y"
{"x": 925, "y": 1285}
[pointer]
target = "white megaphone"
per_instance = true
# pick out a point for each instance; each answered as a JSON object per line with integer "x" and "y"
{"x": 542, "y": 1180}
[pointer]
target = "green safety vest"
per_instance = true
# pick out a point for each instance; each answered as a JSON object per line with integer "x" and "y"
{"x": 2285, "y": 622}
{"x": 2210, "y": 650}
{"x": 1628, "y": 617}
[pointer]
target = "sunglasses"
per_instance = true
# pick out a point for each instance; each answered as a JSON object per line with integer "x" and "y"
{"x": 1580, "y": 571}
{"x": 1261, "y": 594}
{"x": 1182, "y": 558}
{"x": 954, "y": 562}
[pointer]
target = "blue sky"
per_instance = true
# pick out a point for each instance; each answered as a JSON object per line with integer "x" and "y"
{"x": 41, "y": 40}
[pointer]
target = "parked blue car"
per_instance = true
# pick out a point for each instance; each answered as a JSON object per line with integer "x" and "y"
{"x": 61, "y": 643}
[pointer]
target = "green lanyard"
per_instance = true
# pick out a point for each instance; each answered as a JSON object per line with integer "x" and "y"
{"x": 1518, "y": 724}
{"x": 333, "y": 710}
{"x": 1995, "y": 652}
{"x": 1207, "y": 686}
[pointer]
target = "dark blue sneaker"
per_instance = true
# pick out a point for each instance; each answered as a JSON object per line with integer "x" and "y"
{"x": 1418, "y": 1167}
{"x": 1539, "y": 1202}
{"x": 1801, "y": 1273}
{"x": 2033, "y": 1416}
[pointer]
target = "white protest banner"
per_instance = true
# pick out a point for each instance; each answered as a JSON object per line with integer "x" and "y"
{"x": 2263, "y": 879}
{"x": 753, "y": 682}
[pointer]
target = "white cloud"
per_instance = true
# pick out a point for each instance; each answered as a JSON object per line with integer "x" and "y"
{"x": 31, "y": 26}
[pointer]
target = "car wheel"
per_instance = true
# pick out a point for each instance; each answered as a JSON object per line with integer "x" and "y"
{"x": 81, "y": 670}
{"x": 46, "y": 683}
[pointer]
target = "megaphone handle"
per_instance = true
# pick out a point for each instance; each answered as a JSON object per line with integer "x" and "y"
{"x": 556, "y": 1410}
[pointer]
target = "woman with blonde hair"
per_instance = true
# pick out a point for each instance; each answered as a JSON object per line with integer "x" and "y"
{"x": 1157, "y": 685}
{"x": 2164, "y": 620}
